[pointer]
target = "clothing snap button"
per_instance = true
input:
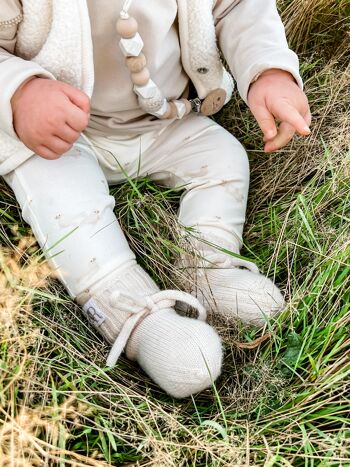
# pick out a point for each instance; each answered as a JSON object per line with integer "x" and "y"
{"x": 203, "y": 70}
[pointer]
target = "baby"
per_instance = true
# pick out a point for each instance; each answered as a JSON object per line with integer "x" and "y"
{"x": 93, "y": 92}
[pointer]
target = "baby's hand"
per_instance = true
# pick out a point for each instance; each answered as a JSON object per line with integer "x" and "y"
{"x": 48, "y": 116}
{"x": 275, "y": 95}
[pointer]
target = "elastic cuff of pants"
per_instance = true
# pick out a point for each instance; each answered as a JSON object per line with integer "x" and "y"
{"x": 216, "y": 248}
{"x": 210, "y": 236}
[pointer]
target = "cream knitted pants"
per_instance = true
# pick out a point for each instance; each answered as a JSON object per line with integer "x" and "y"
{"x": 68, "y": 206}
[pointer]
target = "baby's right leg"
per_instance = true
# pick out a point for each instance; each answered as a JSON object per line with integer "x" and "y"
{"x": 68, "y": 206}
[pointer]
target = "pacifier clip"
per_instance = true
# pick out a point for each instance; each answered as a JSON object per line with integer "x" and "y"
{"x": 150, "y": 97}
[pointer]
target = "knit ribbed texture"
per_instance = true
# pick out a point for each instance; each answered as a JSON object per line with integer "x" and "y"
{"x": 182, "y": 355}
{"x": 229, "y": 285}
{"x": 238, "y": 293}
{"x": 130, "y": 279}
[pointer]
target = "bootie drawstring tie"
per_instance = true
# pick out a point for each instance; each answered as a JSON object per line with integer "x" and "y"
{"x": 143, "y": 306}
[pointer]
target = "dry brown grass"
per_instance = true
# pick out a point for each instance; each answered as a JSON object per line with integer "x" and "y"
{"x": 29, "y": 436}
{"x": 54, "y": 392}
{"x": 317, "y": 26}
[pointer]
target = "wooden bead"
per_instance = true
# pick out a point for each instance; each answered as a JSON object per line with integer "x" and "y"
{"x": 127, "y": 28}
{"x": 136, "y": 64}
{"x": 141, "y": 78}
{"x": 187, "y": 104}
{"x": 171, "y": 113}
{"x": 214, "y": 101}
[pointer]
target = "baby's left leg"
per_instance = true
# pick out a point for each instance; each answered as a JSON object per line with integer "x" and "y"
{"x": 212, "y": 166}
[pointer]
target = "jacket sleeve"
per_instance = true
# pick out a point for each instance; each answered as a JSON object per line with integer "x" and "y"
{"x": 14, "y": 71}
{"x": 252, "y": 39}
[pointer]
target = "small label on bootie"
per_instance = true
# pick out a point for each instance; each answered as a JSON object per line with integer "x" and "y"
{"x": 93, "y": 313}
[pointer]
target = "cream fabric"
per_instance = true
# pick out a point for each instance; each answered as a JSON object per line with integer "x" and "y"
{"x": 229, "y": 285}
{"x": 249, "y": 33}
{"x": 76, "y": 224}
{"x": 182, "y": 355}
{"x": 80, "y": 234}
{"x": 114, "y": 103}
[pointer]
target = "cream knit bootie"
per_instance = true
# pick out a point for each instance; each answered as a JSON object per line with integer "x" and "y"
{"x": 182, "y": 355}
{"x": 230, "y": 285}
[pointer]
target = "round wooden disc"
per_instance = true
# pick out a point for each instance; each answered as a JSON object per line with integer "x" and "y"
{"x": 214, "y": 102}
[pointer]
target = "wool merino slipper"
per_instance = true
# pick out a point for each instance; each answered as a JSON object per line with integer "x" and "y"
{"x": 182, "y": 355}
{"x": 230, "y": 286}
{"x": 238, "y": 293}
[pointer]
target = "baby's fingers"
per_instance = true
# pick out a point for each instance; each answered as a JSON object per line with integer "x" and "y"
{"x": 265, "y": 120}
{"x": 284, "y": 135}
{"x": 308, "y": 117}
{"x": 289, "y": 114}
{"x": 46, "y": 153}
{"x": 67, "y": 133}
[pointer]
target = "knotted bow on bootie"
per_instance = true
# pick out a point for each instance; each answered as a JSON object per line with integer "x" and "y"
{"x": 142, "y": 307}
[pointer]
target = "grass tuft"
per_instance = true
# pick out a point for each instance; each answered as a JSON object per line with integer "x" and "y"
{"x": 283, "y": 399}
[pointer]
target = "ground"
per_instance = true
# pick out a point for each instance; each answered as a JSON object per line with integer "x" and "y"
{"x": 283, "y": 401}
